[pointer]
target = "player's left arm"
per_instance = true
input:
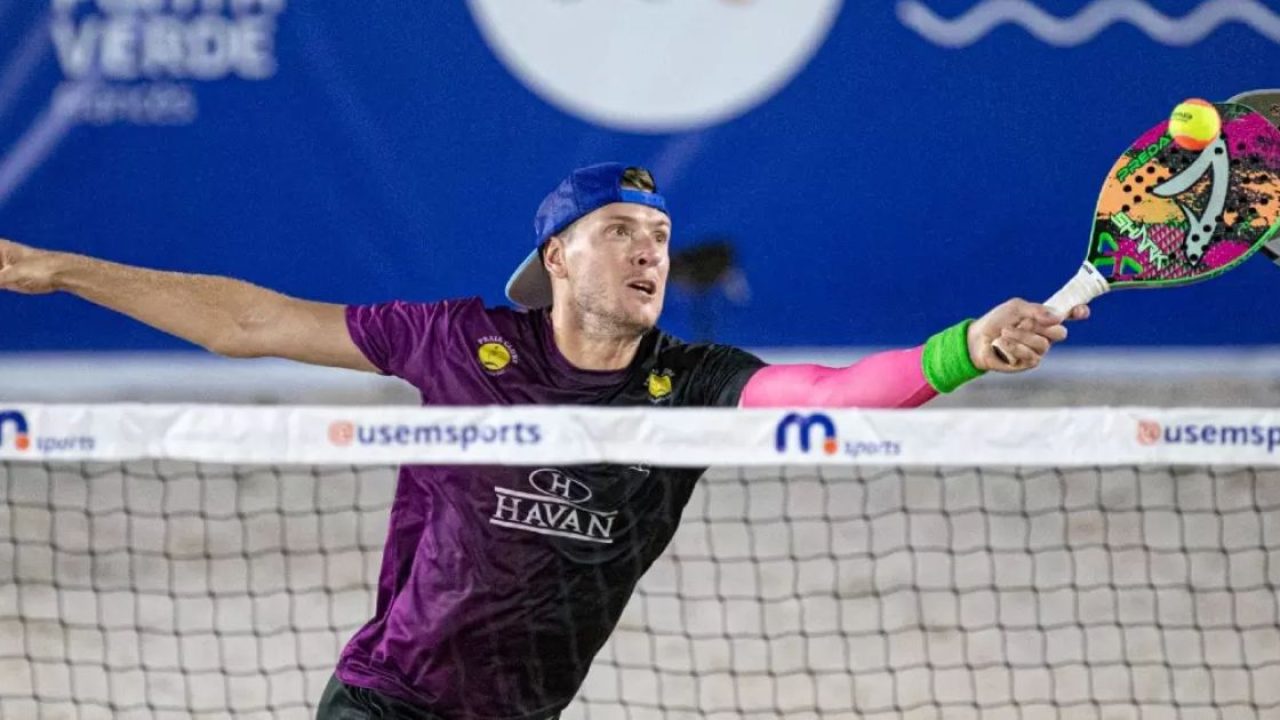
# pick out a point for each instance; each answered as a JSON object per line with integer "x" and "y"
{"x": 912, "y": 377}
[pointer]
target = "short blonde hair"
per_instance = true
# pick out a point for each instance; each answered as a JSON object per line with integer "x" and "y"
{"x": 637, "y": 178}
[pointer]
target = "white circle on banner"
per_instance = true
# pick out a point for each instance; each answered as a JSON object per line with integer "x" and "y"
{"x": 655, "y": 65}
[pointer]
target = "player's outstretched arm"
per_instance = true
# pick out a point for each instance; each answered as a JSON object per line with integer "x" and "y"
{"x": 223, "y": 315}
{"x": 909, "y": 378}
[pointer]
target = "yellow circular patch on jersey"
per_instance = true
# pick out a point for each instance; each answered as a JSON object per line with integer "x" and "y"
{"x": 659, "y": 385}
{"x": 494, "y": 356}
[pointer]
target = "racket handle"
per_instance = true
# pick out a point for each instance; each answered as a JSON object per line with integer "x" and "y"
{"x": 1087, "y": 284}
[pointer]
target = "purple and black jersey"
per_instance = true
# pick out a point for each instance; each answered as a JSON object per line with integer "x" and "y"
{"x": 500, "y": 584}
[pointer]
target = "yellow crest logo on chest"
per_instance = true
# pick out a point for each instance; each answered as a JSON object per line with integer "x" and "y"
{"x": 495, "y": 354}
{"x": 659, "y": 384}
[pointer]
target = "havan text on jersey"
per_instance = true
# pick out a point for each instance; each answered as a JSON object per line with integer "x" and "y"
{"x": 555, "y": 509}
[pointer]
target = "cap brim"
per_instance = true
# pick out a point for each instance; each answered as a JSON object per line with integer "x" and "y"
{"x": 530, "y": 285}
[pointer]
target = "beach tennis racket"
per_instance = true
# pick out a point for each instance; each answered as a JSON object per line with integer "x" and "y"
{"x": 1182, "y": 207}
{"x": 1266, "y": 103}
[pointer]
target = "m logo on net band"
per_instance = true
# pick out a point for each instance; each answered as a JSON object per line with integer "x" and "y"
{"x": 557, "y": 508}
{"x": 804, "y": 426}
{"x": 17, "y": 423}
{"x": 1151, "y": 432}
{"x": 16, "y": 431}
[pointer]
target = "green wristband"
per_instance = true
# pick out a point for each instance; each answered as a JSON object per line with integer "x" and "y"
{"x": 946, "y": 362}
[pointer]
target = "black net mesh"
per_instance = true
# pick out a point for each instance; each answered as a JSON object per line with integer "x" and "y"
{"x": 177, "y": 590}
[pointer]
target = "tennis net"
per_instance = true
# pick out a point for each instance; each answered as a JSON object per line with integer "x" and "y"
{"x": 210, "y": 561}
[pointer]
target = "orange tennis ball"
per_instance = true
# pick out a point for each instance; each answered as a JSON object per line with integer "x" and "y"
{"x": 1194, "y": 124}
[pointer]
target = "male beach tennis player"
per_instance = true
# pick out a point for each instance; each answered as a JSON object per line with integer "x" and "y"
{"x": 499, "y": 585}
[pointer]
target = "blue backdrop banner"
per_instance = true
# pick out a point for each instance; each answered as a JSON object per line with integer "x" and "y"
{"x": 881, "y": 169}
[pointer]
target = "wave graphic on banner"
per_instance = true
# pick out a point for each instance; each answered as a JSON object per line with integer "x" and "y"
{"x": 984, "y": 17}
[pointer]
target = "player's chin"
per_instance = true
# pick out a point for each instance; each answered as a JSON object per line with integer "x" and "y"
{"x": 644, "y": 315}
{"x": 646, "y": 321}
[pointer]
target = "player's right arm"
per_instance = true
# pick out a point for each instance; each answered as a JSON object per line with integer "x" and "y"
{"x": 223, "y": 315}
{"x": 910, "y": 378}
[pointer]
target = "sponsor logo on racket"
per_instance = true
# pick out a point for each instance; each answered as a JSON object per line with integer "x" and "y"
{"x": 16, "y": 432}
{"x": 1151, "y": 432}
{"x": 655, "y": 65}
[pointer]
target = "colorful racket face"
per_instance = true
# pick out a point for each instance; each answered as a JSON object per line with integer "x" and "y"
{"x": 1267, "y": 104}
{"x": 1169, "y": 216}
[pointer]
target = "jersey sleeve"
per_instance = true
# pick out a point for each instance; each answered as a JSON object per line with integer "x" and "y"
{"x": 400, "y": 338}
{"x": 721, "y": 374}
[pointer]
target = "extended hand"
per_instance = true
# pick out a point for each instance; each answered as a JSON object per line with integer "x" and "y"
{"x": 25, "y": 269}
{"x": 1015, "y": 335}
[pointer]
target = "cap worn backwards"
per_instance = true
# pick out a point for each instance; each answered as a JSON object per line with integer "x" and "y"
{"x": 584, "y": 191}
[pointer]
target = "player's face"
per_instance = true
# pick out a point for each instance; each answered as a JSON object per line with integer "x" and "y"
{"x": 616, "y": 263}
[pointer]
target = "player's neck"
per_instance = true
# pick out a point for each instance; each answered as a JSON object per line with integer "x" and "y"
{"x": 592, "y": 348}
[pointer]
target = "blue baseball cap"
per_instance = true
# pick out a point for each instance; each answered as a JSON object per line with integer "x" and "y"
{"x": 585, "y": 190}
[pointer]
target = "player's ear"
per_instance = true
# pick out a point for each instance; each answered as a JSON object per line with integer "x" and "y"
{"x": 553, "y": 257}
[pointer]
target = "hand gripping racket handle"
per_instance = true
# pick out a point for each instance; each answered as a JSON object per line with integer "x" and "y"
{"x": 1087, "y": 284}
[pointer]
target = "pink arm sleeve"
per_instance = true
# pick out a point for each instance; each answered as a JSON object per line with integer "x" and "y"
{"x": 893, "y": 379}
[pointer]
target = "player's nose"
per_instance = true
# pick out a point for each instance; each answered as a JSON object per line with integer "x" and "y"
{"x": 645, "y": 254}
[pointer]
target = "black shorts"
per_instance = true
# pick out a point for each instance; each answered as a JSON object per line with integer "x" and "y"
{"x": 348, "y": 702}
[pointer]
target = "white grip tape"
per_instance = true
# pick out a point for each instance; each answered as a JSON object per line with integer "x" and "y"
{"x": 1087, "y": 284}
